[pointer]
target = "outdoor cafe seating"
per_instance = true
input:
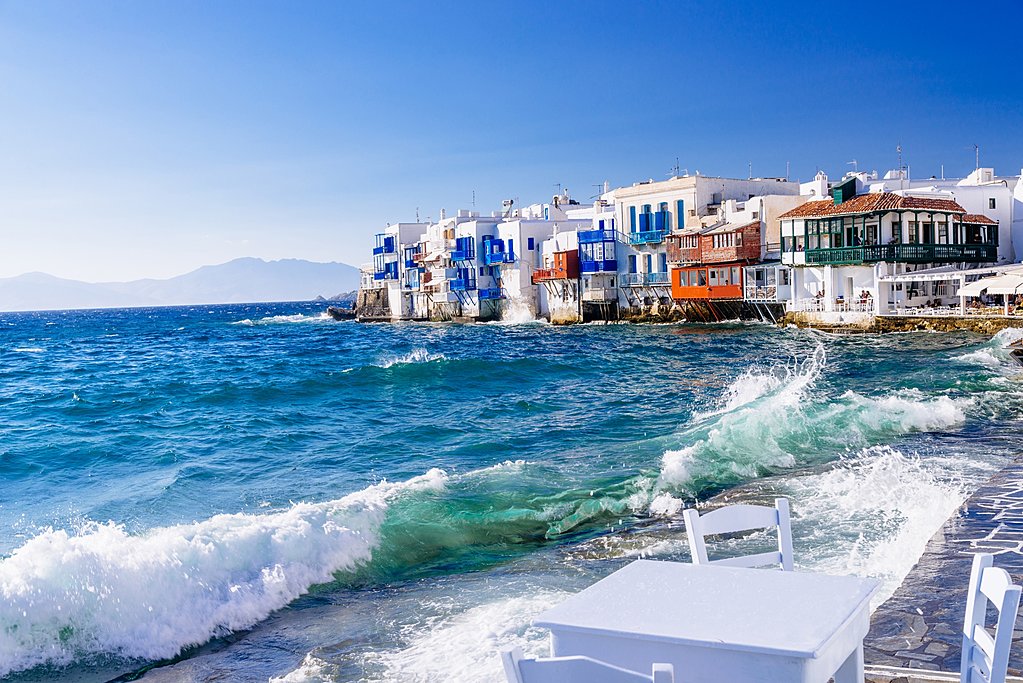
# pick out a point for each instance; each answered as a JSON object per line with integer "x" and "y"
{"x": 727, "y": 619}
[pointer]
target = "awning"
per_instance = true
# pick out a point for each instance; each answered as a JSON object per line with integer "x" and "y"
{"x": 1001, "y": 284}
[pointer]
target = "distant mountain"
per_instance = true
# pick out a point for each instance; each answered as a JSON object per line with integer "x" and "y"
{"x": 244, "y": 280}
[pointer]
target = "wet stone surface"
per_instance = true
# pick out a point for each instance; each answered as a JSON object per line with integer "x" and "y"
{"x": 920, "y": 626}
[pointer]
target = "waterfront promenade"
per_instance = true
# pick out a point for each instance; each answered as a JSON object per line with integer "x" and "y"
{"x": 920, "y": 626}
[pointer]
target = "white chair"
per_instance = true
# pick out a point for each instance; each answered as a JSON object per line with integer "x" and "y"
{"x": 519, "y": 669}
{"x": 735, "y": 518}
{"x": 986, "y": 658}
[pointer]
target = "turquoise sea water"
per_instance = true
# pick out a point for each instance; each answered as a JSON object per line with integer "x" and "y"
{"x": 259, "y": 492}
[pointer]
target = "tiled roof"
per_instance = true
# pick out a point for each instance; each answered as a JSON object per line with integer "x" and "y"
{"x": 978, "y": 218}
{"x": 869, "y": 203}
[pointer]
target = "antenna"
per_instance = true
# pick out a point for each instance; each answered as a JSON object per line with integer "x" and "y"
{"x": 854, "y": 164}
{"x": 750, "y": 176}
{"x": 417, "y": 214}
{"x": 474, "y": 199}
{"x": 902, "y": 175}
{"x": 558, "y": 185}
{"x": 786, "y": 171}
{"x": 976, "y": 149}
{"x": 600, "y": 190}
{"x": 675, "y": 169}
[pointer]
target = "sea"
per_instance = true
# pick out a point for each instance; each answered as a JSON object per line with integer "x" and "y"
{"x": 261, "y": 493}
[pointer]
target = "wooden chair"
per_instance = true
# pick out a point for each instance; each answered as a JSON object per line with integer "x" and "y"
{"x": 741, "y": 518}
{"x": 519, "y": 669}
{"x": 985, "y": 659}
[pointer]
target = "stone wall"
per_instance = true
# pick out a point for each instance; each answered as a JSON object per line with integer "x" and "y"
{"x": 372, "y": 304}
{"x": 881, "y": 324}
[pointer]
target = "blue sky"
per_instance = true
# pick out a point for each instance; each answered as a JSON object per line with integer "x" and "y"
{"x": 148, "y": 138}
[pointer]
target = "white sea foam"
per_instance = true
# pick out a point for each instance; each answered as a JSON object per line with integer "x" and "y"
{"x": 102, "y": 590}
{"x": 281, "y": 319}
{"x": 768, "y": 418}
{"x": 312, "y": 670}
{"x": 994, "y": 353}
{"x": 463, "y": 648}
{"x": 873, "y": 514}
{"x": 417, "y": 355}
{"x": 27, "y": 349}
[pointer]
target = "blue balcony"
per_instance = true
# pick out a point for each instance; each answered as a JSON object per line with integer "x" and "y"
{"x": 598, "y": 266}
{"x": 647, "y": 237}
{"x": 497, "y": 257}
{"x": 491, "y": 293}
{"x": 463, "y": 285}
{"x": 590, "y": 236}
{"x": 462, "y": 255}
{"x": 385, "y": 244}
{"x": 645, "y": 279}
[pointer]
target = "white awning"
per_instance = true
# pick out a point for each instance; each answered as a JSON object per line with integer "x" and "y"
{"x": 1001, "y": 284}
{"x": 1005, "y": 284}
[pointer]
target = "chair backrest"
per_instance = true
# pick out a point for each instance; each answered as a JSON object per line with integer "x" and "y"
{"x": 735, "y": 518}
{"x": 519, "y": 669}
{"x": 985, "y": 658}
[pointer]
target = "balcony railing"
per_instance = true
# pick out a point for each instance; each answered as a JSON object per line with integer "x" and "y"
{"x": 463, "y": 285}
{"x": 598, "y": 266}
{"x": 462, "y": 255}
{"x": 768, "y": 293}
{"x": 645, "y": 279}
{"x": 491, "y": 293}
{"x": 647, "y": 237}
{"x": 411, "y": 263}
{"x": 496, "y": 257}
{"x": 905, "y": 253}
{"x": 590, "y": 236}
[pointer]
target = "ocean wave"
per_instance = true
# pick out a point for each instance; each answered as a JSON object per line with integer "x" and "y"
{"x": 28, "y": 349}
{"x": 873, "y": 514}
{"x": 312, "y": 670}
{"x": 282, "y": 319}
{"x": 463, "y": 647}
{"x": 102, "y": 590}
{"x": 413, "y": 357}
{"x": 770, "y": 421}
{"x": 994, "y": 354}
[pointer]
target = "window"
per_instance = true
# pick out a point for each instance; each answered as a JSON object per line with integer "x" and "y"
{"x": 632, "y": 218}
{"x": 991, "y": 202}
{"x": 783, "y": 276}
{"x": 701, "y": 278}
{"x": 914, "y": 234}
{"x": 663, "y": 259}
{"x": 632, "y": 263}
{"x": 649, "y": 263}
{"x": 788, "y": 243}
{"x": 530, "y": 244}
{"x": 735, "y": 275}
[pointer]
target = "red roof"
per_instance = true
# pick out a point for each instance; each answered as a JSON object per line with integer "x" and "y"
{"x": 870, "y": 203}
{"x": 978, "y": 218}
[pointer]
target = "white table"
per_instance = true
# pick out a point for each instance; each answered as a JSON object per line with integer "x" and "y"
{"x": 718, "y": 623}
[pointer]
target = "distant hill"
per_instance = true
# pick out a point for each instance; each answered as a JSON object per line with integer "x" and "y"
{"x": 243, "y": 280}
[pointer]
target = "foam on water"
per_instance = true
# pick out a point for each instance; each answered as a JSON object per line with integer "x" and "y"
{"x": 462, "y": 647}
{"x": 771, "y": 421}
{"x": 312, "y": 670}
{"x": 103, "y": 590}
{"x": 415, "y": 356}
{"x": 515, "y": 311}
{"x": 27, "y": 349}
{"x": 873, "y": 514}
{"x": 282, "y": 319}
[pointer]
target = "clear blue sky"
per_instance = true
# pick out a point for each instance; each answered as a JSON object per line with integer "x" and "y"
{"x": 148, "y": 138}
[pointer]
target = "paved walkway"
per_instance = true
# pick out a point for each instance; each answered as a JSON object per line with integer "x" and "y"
{"x": 920, "y": 626}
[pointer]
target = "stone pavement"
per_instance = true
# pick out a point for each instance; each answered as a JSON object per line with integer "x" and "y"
{"x": 920, "y": 626}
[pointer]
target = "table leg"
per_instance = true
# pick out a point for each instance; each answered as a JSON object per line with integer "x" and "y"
{"x": 851, "y": 670}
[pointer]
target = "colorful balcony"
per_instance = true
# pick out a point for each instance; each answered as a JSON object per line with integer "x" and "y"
{"x": 462, "y": 255}
{"x": 904, "y": 253}
{"x": 463, "y": 284}
{"x": 491, "y": 294}
{"x": 591, "y": 236}
{"x": 497, "y": 257}
{"x": 647, "y": 237}
{"x": 598, "y": 266}
{"x": 566, "y": 267}
{"x": 645, "y": 279}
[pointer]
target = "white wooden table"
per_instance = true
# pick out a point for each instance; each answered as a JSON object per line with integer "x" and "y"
{"x": 718, "y": 623}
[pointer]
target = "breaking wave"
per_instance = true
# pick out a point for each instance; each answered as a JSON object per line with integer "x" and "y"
{"x": 102, "y": 590}
{"x": 413, "y": 357}
{"x": 280, "y": 319}
{"x": 771, "y": 420}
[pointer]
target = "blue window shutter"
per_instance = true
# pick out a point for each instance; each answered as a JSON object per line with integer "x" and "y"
{"x": 663, "y": 264}
{"x": 632, "y": 218}
{"x": 530, "y": 244}
{"x": 680, "y": 212}
{"x": 511, "y": 248}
